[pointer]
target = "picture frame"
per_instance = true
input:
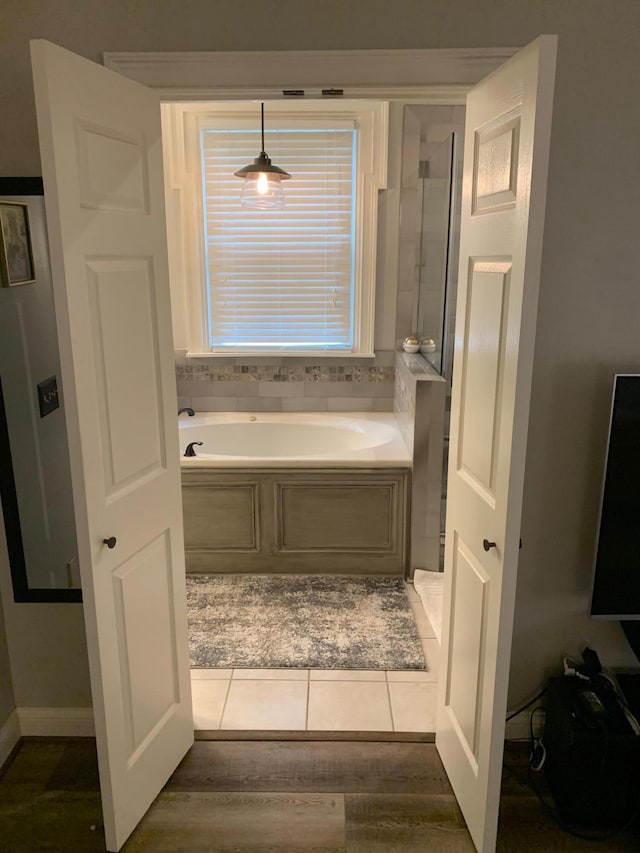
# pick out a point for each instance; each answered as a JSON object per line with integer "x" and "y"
{"x": 16, "y": 251}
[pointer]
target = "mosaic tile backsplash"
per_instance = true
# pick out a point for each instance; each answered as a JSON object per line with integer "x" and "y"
{"x": 287, "y": 387}
{"x": 278, "y": 373}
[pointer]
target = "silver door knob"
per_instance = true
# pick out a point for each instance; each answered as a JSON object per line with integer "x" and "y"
{"x": 488, "y": 545}
{"x": 110, "y": 542}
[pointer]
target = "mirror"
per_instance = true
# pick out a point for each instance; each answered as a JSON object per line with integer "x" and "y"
{"x": 35, "y": 478}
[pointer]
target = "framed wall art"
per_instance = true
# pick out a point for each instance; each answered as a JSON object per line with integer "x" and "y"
{"x": 16, "y": 252}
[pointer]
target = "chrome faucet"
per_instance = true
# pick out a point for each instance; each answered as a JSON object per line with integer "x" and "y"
{"x": 188, "y": 410}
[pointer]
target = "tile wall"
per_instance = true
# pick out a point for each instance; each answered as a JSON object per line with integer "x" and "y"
{"x": 287, "y": 385}
{"x": 419, "y": 406}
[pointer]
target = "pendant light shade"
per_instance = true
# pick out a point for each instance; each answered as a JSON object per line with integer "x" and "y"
{"x": 262, "y": 188}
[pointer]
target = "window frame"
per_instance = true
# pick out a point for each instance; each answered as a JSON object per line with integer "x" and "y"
{"x": 182, "y": 126}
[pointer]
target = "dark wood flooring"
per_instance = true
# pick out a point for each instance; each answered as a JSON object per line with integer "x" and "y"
{"x": 280, "y": 796}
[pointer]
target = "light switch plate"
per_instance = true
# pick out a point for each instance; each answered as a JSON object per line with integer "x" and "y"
{"x": 48, "y": 396}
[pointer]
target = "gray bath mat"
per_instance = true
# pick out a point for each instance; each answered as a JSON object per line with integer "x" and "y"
{"x": 301, "y": 621}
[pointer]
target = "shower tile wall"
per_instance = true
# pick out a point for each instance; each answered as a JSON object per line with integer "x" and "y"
{"x": 419, "y": 405}
{"x": 287, "y": 384}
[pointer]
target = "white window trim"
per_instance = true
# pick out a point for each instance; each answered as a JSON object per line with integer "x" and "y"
{"x": 182, "y": 123}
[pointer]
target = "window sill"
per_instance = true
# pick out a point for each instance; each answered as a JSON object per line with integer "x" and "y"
{"x": 313, "y": 355}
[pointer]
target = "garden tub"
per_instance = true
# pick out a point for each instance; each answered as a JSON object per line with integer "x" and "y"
{"x": 300, "y": 493}
{"x": 272, "y": 439}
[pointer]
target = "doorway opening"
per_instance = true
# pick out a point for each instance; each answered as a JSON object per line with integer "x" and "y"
{"x": 327, "y": 692}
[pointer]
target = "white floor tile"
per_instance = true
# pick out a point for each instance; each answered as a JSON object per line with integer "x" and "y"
{"x": 432, "y": 655}
{"x": 204, "y": 674}
{"x": 413, "y": 705}
{"x": 412, "y": 595}
{"x": 270, "y": 674}
{"x": 208, "y": 696}
{"x": 346, "y": 674}
{"x": 266, "y": 704}
{"x": 425, "y": 630}
{"x": 409, "y": 675}
{"x": 348, "y": 706}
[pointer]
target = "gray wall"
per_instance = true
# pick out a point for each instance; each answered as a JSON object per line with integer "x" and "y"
{"x": 590, "y": 299}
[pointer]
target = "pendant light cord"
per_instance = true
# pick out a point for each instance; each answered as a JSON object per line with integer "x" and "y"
{"x": 262, "y": 124}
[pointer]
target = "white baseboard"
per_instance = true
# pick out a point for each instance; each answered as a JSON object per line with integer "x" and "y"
{"x": 9, "y": 736}
{"x": 56, "y": 722}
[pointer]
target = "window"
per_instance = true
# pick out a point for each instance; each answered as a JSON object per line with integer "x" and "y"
{"x": 261, "y": 282}
{"x": 281, "y": 279}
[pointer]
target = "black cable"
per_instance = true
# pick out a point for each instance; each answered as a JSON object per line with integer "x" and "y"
{"x": 524, "y": 707}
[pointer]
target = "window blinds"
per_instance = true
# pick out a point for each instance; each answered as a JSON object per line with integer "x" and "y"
{"x": 281, "y": 279}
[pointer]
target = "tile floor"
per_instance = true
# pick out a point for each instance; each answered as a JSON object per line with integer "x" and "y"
{"x": 321, "y": 700}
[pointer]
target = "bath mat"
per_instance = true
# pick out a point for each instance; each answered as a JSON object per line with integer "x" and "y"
{"x": 429, "y": 586}
{"x": 301, "y": 621}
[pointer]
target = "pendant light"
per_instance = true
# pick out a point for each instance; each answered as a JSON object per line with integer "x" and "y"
{"x": 262, "y": 188}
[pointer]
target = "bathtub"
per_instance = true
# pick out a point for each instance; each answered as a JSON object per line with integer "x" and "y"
{"x": 301, "y": 493}
{"x": 273, "y": 439}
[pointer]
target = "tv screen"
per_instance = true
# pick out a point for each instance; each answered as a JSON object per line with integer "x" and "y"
{"x": 616, "y": 585}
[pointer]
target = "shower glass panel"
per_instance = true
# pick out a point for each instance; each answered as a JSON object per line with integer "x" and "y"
{"x": 437, "y": 251}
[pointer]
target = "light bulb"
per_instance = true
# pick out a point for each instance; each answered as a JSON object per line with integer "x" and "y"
{"x": 263, "y": 184}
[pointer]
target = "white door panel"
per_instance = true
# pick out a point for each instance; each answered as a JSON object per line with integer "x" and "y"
{"x": 504, "y": 187}
{"x": 100, "y": 141}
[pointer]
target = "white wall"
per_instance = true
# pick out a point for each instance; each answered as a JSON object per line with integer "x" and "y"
{"x": 590, "y": 299}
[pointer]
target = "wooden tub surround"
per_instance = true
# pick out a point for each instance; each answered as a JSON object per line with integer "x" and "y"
{"x": 298, "y": 520}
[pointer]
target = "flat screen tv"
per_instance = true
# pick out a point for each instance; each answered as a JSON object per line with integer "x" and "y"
{"x": 616, "y": 583}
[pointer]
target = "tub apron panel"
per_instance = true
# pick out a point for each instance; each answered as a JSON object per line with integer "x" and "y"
{"x": 298, "y": 520}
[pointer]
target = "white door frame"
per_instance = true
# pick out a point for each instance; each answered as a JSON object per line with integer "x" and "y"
{"x": 439, "y": 76}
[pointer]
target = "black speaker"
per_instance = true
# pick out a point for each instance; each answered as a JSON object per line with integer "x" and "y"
{"x": 592, "y": 761}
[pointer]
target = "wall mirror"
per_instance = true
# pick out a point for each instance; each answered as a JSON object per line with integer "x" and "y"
{"x": 35, "y": 480}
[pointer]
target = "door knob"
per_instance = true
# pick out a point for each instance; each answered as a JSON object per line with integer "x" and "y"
{"x": 110, "y": 542}
{"x": 488, "y": 545}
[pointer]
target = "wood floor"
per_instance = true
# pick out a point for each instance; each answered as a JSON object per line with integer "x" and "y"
{"x": 284, "y": 796}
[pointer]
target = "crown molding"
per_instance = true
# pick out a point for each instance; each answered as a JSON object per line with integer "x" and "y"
{"x": 432, "y": 76}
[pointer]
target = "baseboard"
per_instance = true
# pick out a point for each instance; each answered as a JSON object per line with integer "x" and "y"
{"x": 9, "y": 736}
{"x": 56, "y": 722}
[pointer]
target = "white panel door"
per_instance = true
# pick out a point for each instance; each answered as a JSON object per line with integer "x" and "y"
{"x": 508, "y": 123}
{"x": 100, "y": 143}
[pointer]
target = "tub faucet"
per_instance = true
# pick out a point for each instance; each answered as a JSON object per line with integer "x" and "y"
{"x": 188, "y": 410}
{"x": 190, "y": 451}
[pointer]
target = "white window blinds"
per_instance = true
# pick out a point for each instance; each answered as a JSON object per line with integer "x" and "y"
{"x": 281, "y": 279}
